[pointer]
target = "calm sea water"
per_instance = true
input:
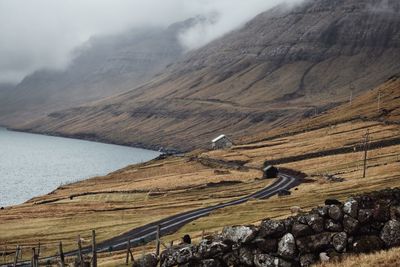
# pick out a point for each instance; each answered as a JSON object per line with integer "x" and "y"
{"x": 32, "y": 165}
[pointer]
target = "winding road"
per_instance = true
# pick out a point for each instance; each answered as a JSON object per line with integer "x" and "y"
{"x": 171, "y": 224}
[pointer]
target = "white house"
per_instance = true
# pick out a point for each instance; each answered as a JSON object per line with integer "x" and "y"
{"x": 221, "y": 142}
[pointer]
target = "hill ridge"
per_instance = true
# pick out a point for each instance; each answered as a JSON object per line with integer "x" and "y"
{"x": 276, "y": 69}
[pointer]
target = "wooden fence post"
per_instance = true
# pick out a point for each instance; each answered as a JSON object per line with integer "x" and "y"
{"x": 158, "y": 240}
{"x": 94, "y": 252}
{"x": 131, "y": 253}
{"x": 38, "y": 250}
{"x": 171, "y": 244}
{"x": 34, "y": 259}
{"x": 20, "y": 253}
{"x": 128, "y": 245}
{"x": 80, "y": 256}
{"x": 202, "y": 234}
{"x": 128, "y": 252}
{"x": 16, "y": 256}
{"x": 4, "y": 253}
{"x": 61, "y": 253}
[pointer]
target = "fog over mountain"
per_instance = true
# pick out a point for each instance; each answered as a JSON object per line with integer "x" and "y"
{"x": 42, "y": 34}
{"x": 281, "y": 66}
{"x": 228, "y": 67}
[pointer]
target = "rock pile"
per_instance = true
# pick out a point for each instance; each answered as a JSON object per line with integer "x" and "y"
{"x": 361, "y": 224}
{"x": 333, "y": 178}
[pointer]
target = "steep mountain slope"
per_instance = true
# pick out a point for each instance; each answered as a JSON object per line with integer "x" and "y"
{"x": 104, "y": 66}
{"x": 382, "y": 104}
{"x": 271, "y": 72}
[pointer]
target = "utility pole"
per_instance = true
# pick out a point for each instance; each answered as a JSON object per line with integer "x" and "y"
{"x": 379, "y": 101}
{"x": 366, "y": 145}
{"x": 351, "y": 94}
{"x": 351, "y": 97}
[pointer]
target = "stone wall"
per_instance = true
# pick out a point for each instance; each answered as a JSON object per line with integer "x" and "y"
{"x": 362, "y": 224}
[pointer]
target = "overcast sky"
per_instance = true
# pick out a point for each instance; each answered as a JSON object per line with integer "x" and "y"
{"x": 37, "y": 34}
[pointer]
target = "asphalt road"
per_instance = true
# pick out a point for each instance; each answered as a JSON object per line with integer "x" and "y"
{"x": 171, "y": 224}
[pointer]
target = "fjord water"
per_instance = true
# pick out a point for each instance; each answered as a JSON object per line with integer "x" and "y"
{"x": 32, "y": 164}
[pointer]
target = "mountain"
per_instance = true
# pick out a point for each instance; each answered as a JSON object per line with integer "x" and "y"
{"x": 102, "y": 67}
{"x": 379, "y": 107}
{"x": 276, "y": 69}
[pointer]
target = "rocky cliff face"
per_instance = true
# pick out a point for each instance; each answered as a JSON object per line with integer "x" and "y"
{"x": 311, "y": 51}
{"x": 270, "y": 72}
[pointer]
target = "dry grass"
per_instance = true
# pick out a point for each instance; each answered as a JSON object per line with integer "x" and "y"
{"x": 365, "y": 106}
{"x": 388, "y": 258}
{"x": 383, "y": 170}
{"x": 163, "y": 188}
{"x": 341, "y": 135}
{"x": 123, "y": 200}
{"x": 306, "y": 196}
{"x": 172, "y": 174}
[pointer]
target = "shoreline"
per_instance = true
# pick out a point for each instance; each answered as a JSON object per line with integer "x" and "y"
{"x": 76, "y": 137}
{"x": 95, "y": 138}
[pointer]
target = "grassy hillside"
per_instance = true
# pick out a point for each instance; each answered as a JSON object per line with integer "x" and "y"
{"x": 326, "y": 135}
{"x": 273, "y": 71}
{"x": 378, "y": 105}
{"x": 142, "y": 193}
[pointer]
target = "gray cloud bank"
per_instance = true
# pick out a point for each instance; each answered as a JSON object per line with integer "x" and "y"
{"x": 41, "y": 34}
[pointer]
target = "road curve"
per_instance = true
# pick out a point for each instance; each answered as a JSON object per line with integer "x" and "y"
{"x": 171, "y": 224}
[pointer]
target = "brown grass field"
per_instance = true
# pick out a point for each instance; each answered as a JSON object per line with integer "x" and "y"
{"x": 119, "y": 202}
{"x": 381, "y": 258}
{"x": 140, "y": 194}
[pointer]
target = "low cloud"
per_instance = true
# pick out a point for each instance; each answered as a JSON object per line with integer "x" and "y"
{"x": 223, "y": 16}
{"x": 385, "y": 6}
{"x": 41, "y": 34}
